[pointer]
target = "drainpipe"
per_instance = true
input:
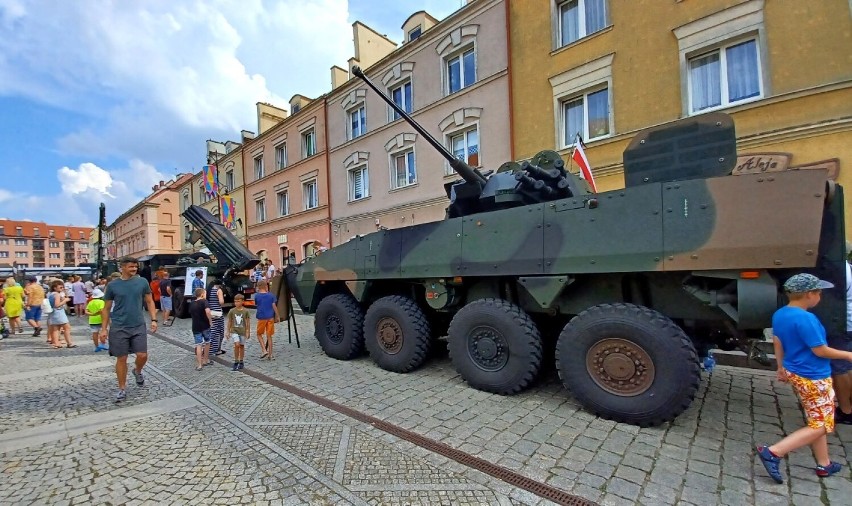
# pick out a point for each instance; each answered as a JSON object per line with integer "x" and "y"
{"x": 509, "y": 74}
{"x": 327, "y": 163}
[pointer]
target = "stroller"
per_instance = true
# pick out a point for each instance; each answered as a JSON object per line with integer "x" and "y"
{"x": 4, "y": 324}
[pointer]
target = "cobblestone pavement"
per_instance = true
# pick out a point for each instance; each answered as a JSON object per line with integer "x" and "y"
{"x": 200, "y": 437}
{"x": 704, "y": 457}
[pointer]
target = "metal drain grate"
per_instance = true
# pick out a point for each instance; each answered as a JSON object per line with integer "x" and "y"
{"x": 513, "y": 478}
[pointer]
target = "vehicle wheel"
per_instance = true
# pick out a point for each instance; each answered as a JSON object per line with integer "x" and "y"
{"x": 180, "y": 304}
{"x": 397, "y": 334}
{"x": 495, "y": 346}
{"x": 628, "y": 363}
{"x": 339, "y": 326}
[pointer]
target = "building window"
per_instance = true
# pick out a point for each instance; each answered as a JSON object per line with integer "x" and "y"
{"x": 4, "y": 241}
{"x": 465, "y": 146}
{"x": 310, "y": 196}
{"x": 295, "y": 108}
{"x": 230, "y": 182}
{"x": 357, "y": 121}
{"x": 4, "y": 254}
{"x": 2, "y": 230}
{"x": 36, "y": 232}
{"x": 68, "y": 234}
{"x": 401, "y": 95}
{"x": 19, "y": 231}
{"x": 186, "y": 201}
{"x": 51, "y": 234}
{"x": 280, "y": 156}
{"x": 461, "y": 70}
{"x": 579, "y": 18}
{"x": 186, "y": 233}
{"x": 23, "y": 266}
{"x": 20, "y": 242}
{"x": 586, "y": 115}
{"x": 359, "y": 183}
{"x": 21, "y": 254}
{"x": 260, "y": 210}
{"x": 724, "y": 76}
{"x": 403, "y": 169}
{"x": 309, "y": 143}
{"x": 283, "y": 203}
{"x": 415, "y": 33}
{"x": 258, "y": 167}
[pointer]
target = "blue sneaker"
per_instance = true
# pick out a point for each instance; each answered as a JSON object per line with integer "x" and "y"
{"x": 770, "y": 462}
{"x": 824, "y": 471}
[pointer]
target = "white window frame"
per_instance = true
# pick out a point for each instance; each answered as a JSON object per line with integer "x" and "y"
{"x": 582, "y": 29}
{"x": 285, "y": 209}
{"x": 312, "y": 135}
{"x": 460, "y": 55}
{"x": 408, "y": 108}
{"x": 721, "y": 50}
{"x": 729, "y": 26}
{"x": 418, "y": 29}
{"x": 281, "y": 156}
{"x": 365, "y": 182}
{"x": 230, "y": 180}
{"x": 20, "y": 242}
{"x": 359, "y": 111}
{"x": 585, "y": 133}
{"x": 258, "y": 167}
{"x": 567, "y": 86}
{"x": 393, "y": 157}
{"x": 464, "y": 131}
{"x": 4, "y": 254}
{"x": 306, "y": 203}
{"x": 260, "y": 210}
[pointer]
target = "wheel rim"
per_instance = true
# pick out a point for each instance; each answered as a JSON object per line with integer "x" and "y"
{"x": 620, "y": 367}
{"x": 389, "y": 335}
{"x": 334, "y": 328}
{"x": 488, "y": 348}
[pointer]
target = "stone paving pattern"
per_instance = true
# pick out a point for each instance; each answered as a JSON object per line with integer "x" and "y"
{"x": 247, "y": 441}
{"x": 704, "y": 457}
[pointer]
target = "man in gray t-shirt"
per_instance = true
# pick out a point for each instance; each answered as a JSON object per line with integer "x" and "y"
{"x": 122, "y": 315}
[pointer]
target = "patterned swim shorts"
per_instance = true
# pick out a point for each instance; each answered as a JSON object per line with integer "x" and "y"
{"x": 817, "y": 398}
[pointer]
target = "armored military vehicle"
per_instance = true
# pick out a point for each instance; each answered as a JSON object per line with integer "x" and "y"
{"x": 231, "y": 259}
{"x": 624, "y": 289}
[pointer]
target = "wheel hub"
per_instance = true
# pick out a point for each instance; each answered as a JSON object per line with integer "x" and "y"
{"x": 334, "y": 329}
{"x": 488, "y": 349}
{"x": 620, "y": 367}
{"x": 389, "y": 334}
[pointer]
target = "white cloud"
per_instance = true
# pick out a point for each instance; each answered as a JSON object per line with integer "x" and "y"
{"x": 159, "y": 77}
{"x": 87, "y": 176}
{"x": 6, "y": 195}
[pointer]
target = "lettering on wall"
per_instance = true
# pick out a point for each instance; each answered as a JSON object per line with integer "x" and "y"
{"x": 757, "y": 163}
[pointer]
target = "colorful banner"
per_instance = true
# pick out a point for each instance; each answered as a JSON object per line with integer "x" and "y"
{"x": 229, "y": 211}
{"x": 211, "y": 186}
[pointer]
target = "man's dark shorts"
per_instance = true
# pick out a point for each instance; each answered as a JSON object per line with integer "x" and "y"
{"x": 124, "y": 341}
{"x": 843, "y": 343}
{"x": 33, "y": 313}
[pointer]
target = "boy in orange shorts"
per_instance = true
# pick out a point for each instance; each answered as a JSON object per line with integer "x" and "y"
{"x": 804, "y": 361}
{"x": 267, "y": 315}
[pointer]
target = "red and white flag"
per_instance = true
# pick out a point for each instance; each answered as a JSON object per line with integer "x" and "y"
{"x": 580, "y": 159}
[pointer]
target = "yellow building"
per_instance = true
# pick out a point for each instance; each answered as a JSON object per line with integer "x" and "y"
{"x": 606, "y": 69}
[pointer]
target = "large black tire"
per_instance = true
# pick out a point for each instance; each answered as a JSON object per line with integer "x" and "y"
{"x": 397, "y": 334}
{"x": 180, "y": 305}
{"x": 339, "y": 326}
{"x": 495, "y": 346}
{"x": 628, "y": 363}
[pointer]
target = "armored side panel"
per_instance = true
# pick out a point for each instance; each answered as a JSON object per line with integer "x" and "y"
{"x": 698, "y": 147}
{"x": 219, "y": 240}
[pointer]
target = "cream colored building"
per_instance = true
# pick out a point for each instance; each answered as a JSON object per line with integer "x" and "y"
{"x": 153, "y": 225}
{"x": 452, "y": 77}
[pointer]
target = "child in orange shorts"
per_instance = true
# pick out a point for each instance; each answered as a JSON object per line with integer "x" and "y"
{"x": 267, "y": 315}
{"x": 803, "y": 358}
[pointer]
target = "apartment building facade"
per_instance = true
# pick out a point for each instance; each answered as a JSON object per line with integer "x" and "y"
{"x": 32, "y": 245}
{"x": 153, "y": 225}
{"x": 607, "y": 69}
{"x": 451, "y": 77}
{"x": 285, "y": 169}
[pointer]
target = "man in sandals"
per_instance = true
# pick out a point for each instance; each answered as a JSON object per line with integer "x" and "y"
{"x": 122, "y": 315}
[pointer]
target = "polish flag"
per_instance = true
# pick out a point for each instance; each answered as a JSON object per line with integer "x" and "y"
{"x": 580, "y": 159}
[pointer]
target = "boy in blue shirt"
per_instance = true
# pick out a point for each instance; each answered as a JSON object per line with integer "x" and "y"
{"x": 804, "y": 361}
{"x": 267, "y": 316}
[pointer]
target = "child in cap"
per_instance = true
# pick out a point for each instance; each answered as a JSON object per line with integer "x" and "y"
{"x": 239, "y": 329}
{"x": 93, "y": 309}
{"x": 804, "y": 361}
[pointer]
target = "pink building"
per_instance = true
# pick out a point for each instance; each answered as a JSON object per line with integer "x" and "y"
{"x": 35, "y": 244}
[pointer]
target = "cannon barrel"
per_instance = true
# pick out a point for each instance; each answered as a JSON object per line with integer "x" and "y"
{"x": 221, "y": 242}
{"x": 464, "y": 170}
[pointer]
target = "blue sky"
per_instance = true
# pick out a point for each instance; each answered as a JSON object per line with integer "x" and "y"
{"x": 99, "y": 99}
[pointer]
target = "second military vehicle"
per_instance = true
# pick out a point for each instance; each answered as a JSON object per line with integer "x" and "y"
{"x": 627, "y": 288}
